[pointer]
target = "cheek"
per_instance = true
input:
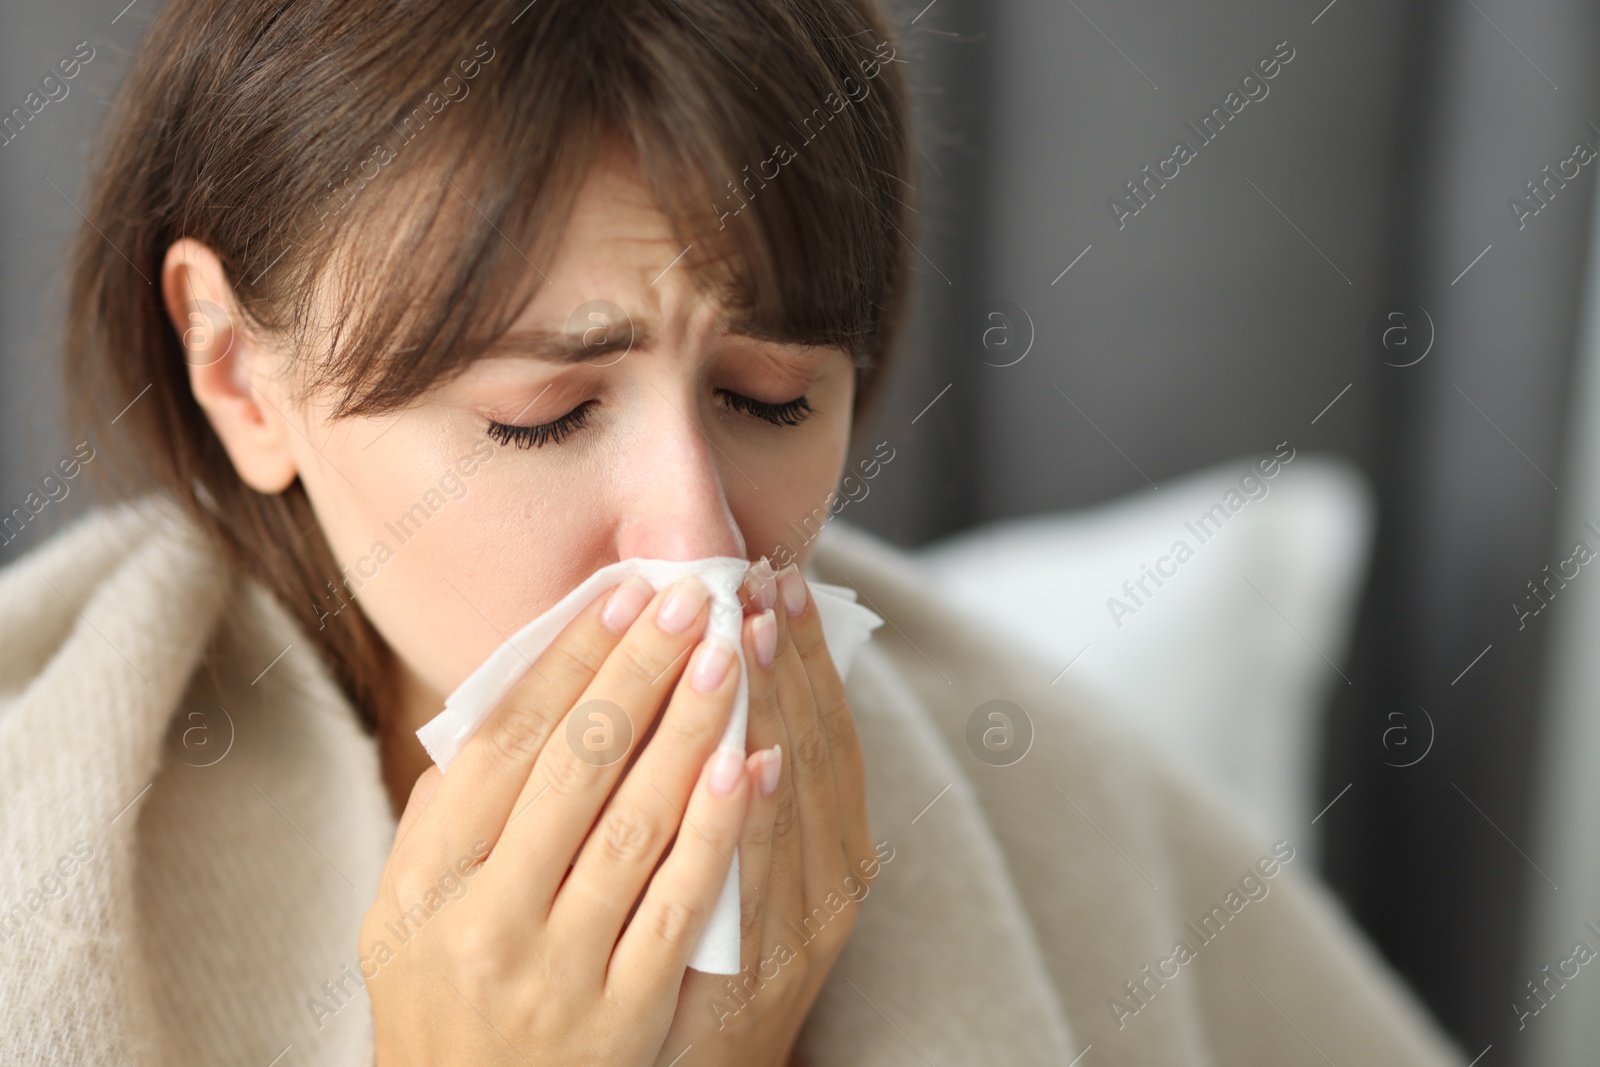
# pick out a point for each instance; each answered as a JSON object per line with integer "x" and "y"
{"x": 783, "y": 517}
{"x": 444, "y": 578}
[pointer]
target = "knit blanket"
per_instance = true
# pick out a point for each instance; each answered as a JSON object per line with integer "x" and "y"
{"x": 193, "y": 823}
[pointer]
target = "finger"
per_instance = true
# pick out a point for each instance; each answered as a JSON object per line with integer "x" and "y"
{"x": 573, "y": 776}
{"x": 781, "y": 896}
{"x": 759, "y": 590}
{"x": 475, "y": 800}
{"x": 755, "y": 854}
{"x": 821, "y": 848}
{"x": 833, "y": 708}
{"x": 764, "y": 726}
{"x": 654, "y": 950}
{"x": 784, "y": 895}
{"x": 765, "y": 739}
{"x": 638, "y": 823}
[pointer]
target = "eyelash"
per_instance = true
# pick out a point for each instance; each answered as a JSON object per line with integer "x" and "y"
{"x": 544, "y": 433}
{"x": 789, "y": 413}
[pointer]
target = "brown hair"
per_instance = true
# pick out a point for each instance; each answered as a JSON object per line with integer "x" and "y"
{"x": 418, "y": 156}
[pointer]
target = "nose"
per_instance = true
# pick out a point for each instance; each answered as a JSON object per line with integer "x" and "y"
{"x": 669, "y": 477}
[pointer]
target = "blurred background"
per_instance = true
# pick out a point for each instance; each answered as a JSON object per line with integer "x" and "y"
{"x": 1373, "y": 268}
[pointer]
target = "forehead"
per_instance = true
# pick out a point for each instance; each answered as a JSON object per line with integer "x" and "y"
{"x": 617, "y": 246}
{"x": 615, "y": 219}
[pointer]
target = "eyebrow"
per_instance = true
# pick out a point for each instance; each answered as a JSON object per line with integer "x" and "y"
{"x": 560, "y": 346}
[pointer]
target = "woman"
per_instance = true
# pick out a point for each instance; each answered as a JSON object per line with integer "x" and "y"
{"x": 409, "y": 317}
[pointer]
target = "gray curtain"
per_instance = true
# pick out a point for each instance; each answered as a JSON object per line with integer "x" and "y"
{"x": 1245, "y": 296}
{"x": 1434, "y": 858}
{"x": 41, "y": 165}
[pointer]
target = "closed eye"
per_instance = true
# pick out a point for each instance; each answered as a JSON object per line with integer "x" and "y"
{"x": 544, "y": 433}
{"x": 789, "y": 413}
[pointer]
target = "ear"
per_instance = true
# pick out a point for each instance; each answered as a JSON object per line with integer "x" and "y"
{"x": 227, "y": 369}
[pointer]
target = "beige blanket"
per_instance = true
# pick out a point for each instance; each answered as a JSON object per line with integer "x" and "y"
{"x": 192, "y": 825}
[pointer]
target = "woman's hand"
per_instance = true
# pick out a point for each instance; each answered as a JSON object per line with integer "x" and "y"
{"x": 535, "y": 954}
{"x": 806, "y": 854}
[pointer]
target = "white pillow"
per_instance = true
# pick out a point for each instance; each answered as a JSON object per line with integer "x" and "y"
{"x": 1228, "y": 663}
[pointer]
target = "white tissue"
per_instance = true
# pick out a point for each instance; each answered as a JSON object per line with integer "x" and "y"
{"x": 846, "y": 626}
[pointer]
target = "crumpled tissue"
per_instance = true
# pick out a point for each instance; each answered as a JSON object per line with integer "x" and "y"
{"x": 846, "y": 625}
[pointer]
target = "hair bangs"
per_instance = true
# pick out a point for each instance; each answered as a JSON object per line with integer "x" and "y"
{"x": 436, "y": 257}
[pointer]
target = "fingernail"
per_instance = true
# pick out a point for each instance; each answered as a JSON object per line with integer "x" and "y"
{"x": 682, "y": 605}
{"x": 626, "y": 602}
{"x": 793, "y": 588}
{"x": 764, "y": 634}
{"x": 763, "y": 590}
{"x": 771, "y": 767}
{"x": 710, "y": 666}
{"x": 726, "y": 767}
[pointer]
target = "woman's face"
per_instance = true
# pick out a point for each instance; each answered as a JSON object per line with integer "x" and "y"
{"x": 454, "y": 534}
